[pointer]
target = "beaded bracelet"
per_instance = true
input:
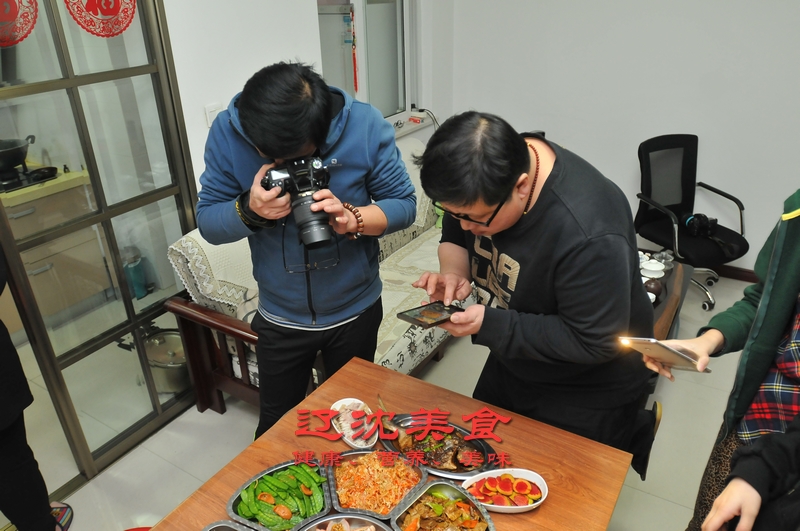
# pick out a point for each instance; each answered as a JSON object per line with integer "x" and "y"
{"x": 360, "y": 229}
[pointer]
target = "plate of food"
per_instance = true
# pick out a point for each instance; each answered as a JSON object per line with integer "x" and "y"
{"x": 441, "y": 504}
{"x": 372, "y": 483}
{"x": 508, "y": 490}
{"x": 285, "y": 496}
{"x": 349, "y": 426}
{"x": 347, "y": 522}
{"x": 451, "y": 457}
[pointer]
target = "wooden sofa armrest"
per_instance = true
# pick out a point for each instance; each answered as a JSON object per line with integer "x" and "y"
{"x": 207, "y": 317}
{"x": 210, "y": 367}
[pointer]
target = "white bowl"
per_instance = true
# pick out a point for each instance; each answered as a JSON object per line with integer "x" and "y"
{"x": 655, "y": 265}
{"x": 652, "y": 297}
{"x": 520, "y": 473}
{"x": 651, "y": 273}
{"x": 358, "y": 444}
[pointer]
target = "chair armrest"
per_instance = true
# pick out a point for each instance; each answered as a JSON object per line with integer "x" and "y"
{"x": 673, "y": 218}
{"x": 212, "y": 319}
{"x": 731, "y": 198}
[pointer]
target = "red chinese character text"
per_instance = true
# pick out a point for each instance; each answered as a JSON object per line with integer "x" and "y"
{"x": 471, "y": 459}
{"x": 424, "y": 422}
{"x": 483, "y": 422}
{"x": 388, "y": 458}
{"x": 374, "y": 423}
{"x": 502, "y": 460}
{"x": 415, "y": 458}
{"x": 331, "y": 458}
{"x": 325, "y": 415}
{"x": 306, "y": 456}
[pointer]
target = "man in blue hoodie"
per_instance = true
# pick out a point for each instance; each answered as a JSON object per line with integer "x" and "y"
{"x": 323, "y": 297}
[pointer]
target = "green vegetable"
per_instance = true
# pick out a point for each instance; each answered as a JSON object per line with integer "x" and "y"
{"x": 265, "y": 487}
{"x": 270, "y": 519}
{"x": 440, "y": 495}
{"x": 243, "y": 511}
{"x": 249, "y": 498}
{"x": 312, "y": 473}
{"x": 438, "y": 509}
{"x": 309, "y": 505}
{"x": 284, "y": 485}
{"x": 289, "y": 501}
{"x": 308, "y": 481}
{"x": 301, "y": 505}
{"x": 285, "y": 477}
{"x": 275, "y": 483}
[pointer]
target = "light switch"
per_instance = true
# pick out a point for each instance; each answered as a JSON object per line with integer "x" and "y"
{"x": 212, "y": 110}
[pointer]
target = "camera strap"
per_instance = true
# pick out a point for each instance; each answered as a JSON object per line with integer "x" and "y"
{"x": 730, "y": 250}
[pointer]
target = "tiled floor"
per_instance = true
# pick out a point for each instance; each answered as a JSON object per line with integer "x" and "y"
{"x": 148, "y": 482}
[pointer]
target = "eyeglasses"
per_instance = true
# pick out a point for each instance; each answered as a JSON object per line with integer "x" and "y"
{"x": 310, "y": 264}
{"x": 464, "y": 217}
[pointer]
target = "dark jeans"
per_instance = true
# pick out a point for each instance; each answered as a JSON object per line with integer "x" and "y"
{"x": 627, "y": 427}
{"x": 286, "y": 356}
{"x": 23, "y": 494}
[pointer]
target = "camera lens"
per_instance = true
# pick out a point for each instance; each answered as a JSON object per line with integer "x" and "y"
{"x": 313, "y": 226}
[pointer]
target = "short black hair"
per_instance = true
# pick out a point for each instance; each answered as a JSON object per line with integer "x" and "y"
{"x": 283, "y": 107}
{"x": 473, "y": 156}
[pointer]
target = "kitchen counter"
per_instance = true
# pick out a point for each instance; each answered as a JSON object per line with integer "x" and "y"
{"x": 64, "y": 181}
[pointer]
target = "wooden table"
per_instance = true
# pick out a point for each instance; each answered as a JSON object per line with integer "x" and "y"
{"x": 667, "y": 307}
{"x": 584, "y": 477}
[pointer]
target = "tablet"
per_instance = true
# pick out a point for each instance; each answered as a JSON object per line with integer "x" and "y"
{"x": 675, "y": 359}
{"x": 429, "y": 315}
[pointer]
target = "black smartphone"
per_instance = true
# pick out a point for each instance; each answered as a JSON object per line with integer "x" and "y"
{"x": 429, "y": 315}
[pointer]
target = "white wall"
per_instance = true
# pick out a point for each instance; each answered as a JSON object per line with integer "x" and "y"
{"x": 601, "y": 77}
{"x": 598, "y": 77}
{"x": 436, "y": 39}
{"x": 216, "y": 51}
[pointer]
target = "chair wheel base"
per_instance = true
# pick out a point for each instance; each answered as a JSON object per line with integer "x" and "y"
{"x": 710, "y": 281}
{"x": 708, "y": 306}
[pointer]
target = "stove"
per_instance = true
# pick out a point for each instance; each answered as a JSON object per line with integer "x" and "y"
{"x": 21, "y": 178}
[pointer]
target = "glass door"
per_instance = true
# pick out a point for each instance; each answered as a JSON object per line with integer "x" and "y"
{"x": 94, "y": 185}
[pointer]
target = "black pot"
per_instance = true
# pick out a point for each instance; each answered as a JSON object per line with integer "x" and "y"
{"x": 13, "y": 152}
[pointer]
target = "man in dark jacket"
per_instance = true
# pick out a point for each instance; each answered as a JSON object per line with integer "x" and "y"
{"x": 23, "y": 493}
{"x": 550, "y": 245}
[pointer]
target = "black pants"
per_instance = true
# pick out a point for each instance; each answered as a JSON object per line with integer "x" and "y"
{"x": 627, "y": 427}
{"x": 286, "y": 356}
{"x": 23, "y": 494}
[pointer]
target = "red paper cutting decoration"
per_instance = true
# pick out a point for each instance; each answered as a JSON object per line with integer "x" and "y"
{"x": 17, "y": 18}
{"x": 104, "y": 18}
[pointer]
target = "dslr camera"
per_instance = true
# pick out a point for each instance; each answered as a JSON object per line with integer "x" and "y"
{"x": 699, "y": 225}
{"x": 301, "y": 177}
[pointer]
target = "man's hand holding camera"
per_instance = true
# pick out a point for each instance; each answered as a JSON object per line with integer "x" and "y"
{"x": 341, "y": 220}
{"x": 266, "y": 203}
{"x": 277, "y": 191}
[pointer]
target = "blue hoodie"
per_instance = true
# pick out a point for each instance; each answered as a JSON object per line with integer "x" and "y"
{"x": 365, "y": 166}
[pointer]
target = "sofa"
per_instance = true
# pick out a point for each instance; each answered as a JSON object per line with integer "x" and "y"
{"x": 214, "y": 324}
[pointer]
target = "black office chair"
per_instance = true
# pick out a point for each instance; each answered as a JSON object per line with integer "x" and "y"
{"x": 669, "y": 181}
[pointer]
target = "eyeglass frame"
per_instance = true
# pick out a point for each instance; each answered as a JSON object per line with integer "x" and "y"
{"x": 305, "y": 268}
{"x": 464, "y": 217}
